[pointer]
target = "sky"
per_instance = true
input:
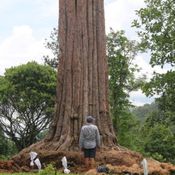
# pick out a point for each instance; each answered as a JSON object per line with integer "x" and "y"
{"x": 25, "y": 25}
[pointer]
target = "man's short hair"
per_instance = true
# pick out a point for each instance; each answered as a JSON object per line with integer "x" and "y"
{"x": 89, "y": 119}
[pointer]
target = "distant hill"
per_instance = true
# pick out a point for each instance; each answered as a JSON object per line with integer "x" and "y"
{"x": 142, "y": 112}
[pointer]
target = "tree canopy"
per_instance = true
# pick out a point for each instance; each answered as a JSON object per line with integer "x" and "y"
{"x": 155, "y": 25}
{"x": 27, "y": 97}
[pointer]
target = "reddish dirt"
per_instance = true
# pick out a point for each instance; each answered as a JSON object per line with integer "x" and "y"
{"x": 118, "y": 162}
{"x": 9, "y": 166}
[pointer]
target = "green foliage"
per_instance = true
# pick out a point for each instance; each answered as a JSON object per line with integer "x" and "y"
{"x": 128, "y": 132}
{"x": 48, "y": 170}
{"x": 155, "y": 26}
{"x": 27, "y": 98}
{"x": 7, "y": 147}
{"x": 18, "y": 173}
{"x": 121, "y": 52}
{"x": 155, "y": 137}
{"x": 156, "y": 29}
{"x": 160, "y": 143}
{"x": 3, "y": 144}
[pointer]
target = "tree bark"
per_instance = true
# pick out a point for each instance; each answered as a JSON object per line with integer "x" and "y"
{"x": 82, "y": 85}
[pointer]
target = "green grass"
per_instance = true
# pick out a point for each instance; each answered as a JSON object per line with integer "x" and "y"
{"x": 19, "y": 173}
{"x": 32, "y": 174}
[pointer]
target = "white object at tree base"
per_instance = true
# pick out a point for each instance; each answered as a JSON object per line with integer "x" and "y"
{"x": 64, "y": 163}
{"x": 35, "y": 160}
{"x": 145, "y": 166}
{"x": 66, "y": 171}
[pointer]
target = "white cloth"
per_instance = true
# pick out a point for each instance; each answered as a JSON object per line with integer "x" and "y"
{"x": 36, "y": 161}
{"x": 145, "y": 166}
{"x": 64, "y": 163}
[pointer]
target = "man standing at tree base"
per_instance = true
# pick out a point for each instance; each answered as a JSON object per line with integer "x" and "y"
{"x": 89, "y": 141}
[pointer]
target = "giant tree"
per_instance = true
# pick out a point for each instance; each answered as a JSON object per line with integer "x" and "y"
{"x": 82, "y": 85}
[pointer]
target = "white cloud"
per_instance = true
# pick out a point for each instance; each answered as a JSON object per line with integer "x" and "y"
{"x": 139, "y": 99}
{"x": 21, "y": 47}
{"x": 120, "y": 13}
{"x": 146, "y": 69}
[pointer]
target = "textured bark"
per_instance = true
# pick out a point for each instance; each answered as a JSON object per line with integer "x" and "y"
{"x": 82, "y": 87}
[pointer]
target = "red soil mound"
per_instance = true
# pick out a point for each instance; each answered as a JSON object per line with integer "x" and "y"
{"x": 118, "y": 161}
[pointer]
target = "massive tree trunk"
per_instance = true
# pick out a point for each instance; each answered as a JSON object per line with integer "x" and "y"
{"x": 82, "y": 87}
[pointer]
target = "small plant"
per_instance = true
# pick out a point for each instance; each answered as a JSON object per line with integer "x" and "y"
{"x": 48, "y": 170}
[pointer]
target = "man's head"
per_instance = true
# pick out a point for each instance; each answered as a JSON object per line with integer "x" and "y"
{"x": 89, "y": 119}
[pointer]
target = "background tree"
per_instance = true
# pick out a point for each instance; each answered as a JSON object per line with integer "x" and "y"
{"x": 155, "y": 26}
{"x": 27, "y": 96}
{"x": 160, "y": 143}
{"x": 3, "y": 144}
{"x": 7, "y": 146}
{"x": 156, "y": 29}
{"x": 121, "y": 53}
{"x": 158, "y": 139}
